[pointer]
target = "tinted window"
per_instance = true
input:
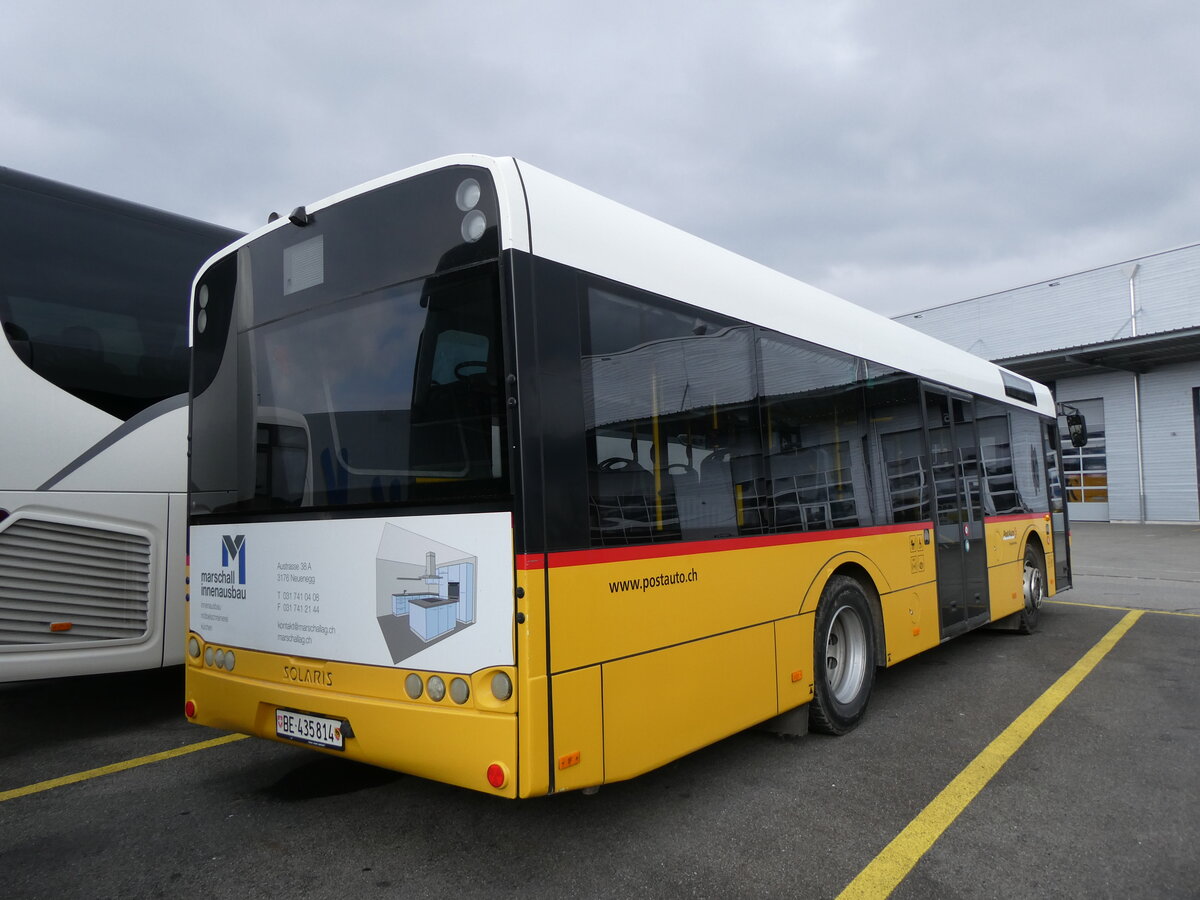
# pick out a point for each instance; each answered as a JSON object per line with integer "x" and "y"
{"x": 1000, "y": 495}
{"x": 387, "y": 398}
{"x": 672, "y": 426}
{"x": 94, "y": 293}
{"x": 817, "y": 446}
{"x": 893, "y": 404}
{"x": 1029, "y": 462}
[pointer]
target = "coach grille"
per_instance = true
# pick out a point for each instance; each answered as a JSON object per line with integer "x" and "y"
{"x": 53, "y": 573}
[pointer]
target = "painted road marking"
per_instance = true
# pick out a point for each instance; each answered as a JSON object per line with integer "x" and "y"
{"x": 116, "y": 767}
{"x": 896, "y": 860}
{"x": 1157, "y": 612}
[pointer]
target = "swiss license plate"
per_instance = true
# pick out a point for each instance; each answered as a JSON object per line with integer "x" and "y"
{"x": 309, "y": 729}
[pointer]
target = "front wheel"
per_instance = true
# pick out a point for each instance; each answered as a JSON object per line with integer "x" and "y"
{"x": 844, "y": 669}
{"x": 1034, "y": 584}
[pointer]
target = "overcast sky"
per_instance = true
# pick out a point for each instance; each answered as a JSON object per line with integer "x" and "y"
{"x": 900, "y": 154}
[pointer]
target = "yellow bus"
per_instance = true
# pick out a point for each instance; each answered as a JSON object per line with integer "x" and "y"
{"x": 497, "y": 482}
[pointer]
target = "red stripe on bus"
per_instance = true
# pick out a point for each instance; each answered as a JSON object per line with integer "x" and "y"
{"x": 527, "y": 562}
{"x": 680, "y": 548}
{"x": 1018, "y": 517}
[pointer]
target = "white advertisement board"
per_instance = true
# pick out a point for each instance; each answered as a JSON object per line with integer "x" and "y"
{"x": 428, "y": 592}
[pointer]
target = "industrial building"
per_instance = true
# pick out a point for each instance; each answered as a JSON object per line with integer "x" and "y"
{"x": 1121, "y": 343}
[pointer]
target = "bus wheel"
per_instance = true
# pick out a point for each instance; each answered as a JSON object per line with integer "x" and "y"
{"x": 844, "y": 668}
{"x": 1035, "y": 590}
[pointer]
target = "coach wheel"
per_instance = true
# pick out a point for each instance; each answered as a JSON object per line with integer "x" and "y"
{"x": 844, "y": 668}
{"x": 1035, "y": 590}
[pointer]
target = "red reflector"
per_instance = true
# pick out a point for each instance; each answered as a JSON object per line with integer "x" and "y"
{"x": 495, "y": 775}
{"x": 189, "y": 709}
{"x": 61, "y": 626}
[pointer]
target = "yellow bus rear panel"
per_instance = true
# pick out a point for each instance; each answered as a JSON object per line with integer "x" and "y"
{"x": 444, "y": 741}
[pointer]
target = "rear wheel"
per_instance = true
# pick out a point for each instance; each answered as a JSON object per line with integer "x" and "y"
{"x": 1034, "y": 581}
{"x": 844, "y": 645}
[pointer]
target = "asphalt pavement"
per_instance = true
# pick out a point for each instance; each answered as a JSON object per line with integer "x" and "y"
{"x": 107, "y": 791}
{"x": 1138, "y": 566}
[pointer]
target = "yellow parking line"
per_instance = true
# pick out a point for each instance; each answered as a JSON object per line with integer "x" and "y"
{"x": 897, "y": 859}
{"x": 116, "y": 767}
{"x": 1157, "y": 612}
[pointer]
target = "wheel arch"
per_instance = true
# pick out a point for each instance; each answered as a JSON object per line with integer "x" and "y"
{"x": 1033, "y": 538}
{"x": 869, "y": 577}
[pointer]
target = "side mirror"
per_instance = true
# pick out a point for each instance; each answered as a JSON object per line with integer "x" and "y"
{"x": 1077, "y": 428}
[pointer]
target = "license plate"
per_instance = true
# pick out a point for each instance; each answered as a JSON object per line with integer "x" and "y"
{"x": 308, "y": 729}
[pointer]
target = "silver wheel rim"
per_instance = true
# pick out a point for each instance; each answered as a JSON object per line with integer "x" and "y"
{"x": 1034, "y": 589}
{"x": 845, "y": 654}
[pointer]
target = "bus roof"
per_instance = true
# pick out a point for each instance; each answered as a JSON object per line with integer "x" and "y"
{"x": 550, "y": 217}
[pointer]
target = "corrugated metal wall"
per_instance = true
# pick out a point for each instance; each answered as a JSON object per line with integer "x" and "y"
{"x": 1090, "y": 308}
{"x": 1072, "y": 311}
{"x": 1169, "y": 443}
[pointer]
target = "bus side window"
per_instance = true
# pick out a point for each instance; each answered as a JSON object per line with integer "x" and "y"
{"x": 896, "y": 429}
{"x": 817, "y": 470}
{"x": 672, "y": 429}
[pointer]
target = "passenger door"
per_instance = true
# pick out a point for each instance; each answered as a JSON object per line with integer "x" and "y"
{"x": 958, "y": 511}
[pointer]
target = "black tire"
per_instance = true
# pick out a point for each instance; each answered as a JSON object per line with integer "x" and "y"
{"x": 844, "y": 657}
{"x": 1033, "y": 583}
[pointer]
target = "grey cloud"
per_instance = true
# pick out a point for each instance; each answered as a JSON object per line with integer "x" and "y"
{"x": 901, "y": 155}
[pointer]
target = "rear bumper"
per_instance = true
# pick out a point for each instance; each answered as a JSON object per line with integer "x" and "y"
{"x": 440, "y": 741}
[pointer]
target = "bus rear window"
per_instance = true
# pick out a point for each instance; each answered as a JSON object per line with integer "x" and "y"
{"x": 388, "y": 398}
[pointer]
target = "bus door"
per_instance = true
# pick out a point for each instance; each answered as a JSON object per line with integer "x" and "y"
{"x": 958, "y": 511}
{"x": 1058, "y": 507}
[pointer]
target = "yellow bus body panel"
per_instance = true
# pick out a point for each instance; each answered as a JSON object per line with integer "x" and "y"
{"x": 578, "y": 729}
{"x": 794, "y": 661}
{"x": 1007, "y": 539}
{"x": 533, "y": 686}
{"x": 910, "y": 621}
{"x": 659, "y": 706}
{"x": 440, "y": 741}
{"x": 615, "y": 608}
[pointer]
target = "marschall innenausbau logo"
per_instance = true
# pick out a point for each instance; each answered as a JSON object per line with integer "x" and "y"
{"x": 234, "y": 547}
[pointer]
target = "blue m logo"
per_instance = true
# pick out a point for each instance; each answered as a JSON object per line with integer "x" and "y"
{"x": 234, "y": 547}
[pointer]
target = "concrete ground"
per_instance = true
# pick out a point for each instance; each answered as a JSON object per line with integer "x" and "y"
{"x": 1140, "y": 566}
{"x": 1099, "y": 801}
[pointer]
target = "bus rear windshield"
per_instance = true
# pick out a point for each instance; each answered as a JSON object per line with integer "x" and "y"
{"x": 387, "y": 398}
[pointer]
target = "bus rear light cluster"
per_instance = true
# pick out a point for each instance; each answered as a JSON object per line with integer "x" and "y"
{"x": 214, "y": 657}
{"x": 501, "y": 686}
{"x": 202, "y": 315}
{"x": 474, "y": 223}
{"x": 435, "y": 688}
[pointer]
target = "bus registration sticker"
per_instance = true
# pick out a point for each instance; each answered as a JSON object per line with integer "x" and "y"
{"x": 315, "y": 730}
